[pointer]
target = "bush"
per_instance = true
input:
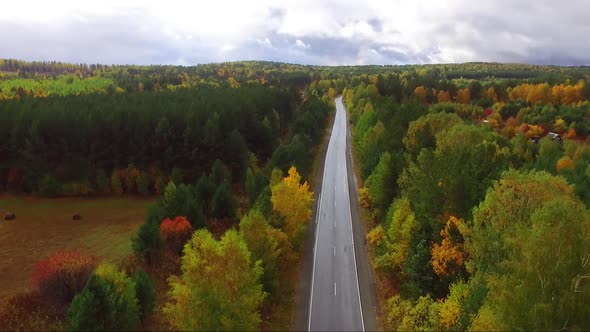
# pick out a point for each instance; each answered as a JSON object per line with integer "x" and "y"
{"x": 29, "y": 312}
{"x": 145, "y": 294}
{"x": 107, "y": 303}
{"x": 61, "y": 276}
{"x": 176, "y": 232}
{"x": 49, "y": 186}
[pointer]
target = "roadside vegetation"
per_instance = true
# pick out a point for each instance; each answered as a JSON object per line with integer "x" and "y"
{"x": 480, "y": 209}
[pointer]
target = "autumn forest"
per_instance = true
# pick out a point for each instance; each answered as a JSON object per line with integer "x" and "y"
{"x": 473, "y": 191}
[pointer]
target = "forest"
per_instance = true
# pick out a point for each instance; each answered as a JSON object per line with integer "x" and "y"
{"x": 475, "y": 187}
{"x": 478, "y": 193}
{"x": 222, "y": 160}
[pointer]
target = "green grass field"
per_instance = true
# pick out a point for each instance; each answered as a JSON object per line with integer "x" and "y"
{"x": 44, "y": 226}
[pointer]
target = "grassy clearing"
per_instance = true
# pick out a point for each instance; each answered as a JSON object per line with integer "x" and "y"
{"x": 43, "y": 226}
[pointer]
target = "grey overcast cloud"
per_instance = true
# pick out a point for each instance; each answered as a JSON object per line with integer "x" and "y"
{"x": 321, "y": 32}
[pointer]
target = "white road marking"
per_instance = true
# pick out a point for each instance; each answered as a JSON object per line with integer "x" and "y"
{"x": 318, "y": 208}
{"x": 331, "y": 150}
{"x": 349, "y": 214}
{"x": 334, "y": 251}
{"x": 316, "y": 241}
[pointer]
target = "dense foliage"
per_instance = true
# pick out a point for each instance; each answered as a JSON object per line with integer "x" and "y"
{"x": 481, "y": 218}
{"x": 473, "y": 229}
{"x": 292, "y": 200}
{"x": 139, "y": 138}
{"x": 145, "y": 294}
{"x": 219, "y": 288}
{"x": 108, "y": 302}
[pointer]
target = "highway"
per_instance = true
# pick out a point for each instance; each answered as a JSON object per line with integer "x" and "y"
{"x": 335, "y": 299}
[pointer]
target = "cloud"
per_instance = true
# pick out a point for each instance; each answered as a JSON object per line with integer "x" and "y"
{"x": 301, "y": 44}
{"x": 264, "y": 42}
{"x": 303, "y": 31}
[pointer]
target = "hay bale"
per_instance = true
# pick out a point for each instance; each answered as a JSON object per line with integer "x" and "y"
{"x": 9, "y": 216}
{"x": 77, "y": 216}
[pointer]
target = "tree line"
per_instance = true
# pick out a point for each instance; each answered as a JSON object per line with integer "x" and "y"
{"x": 86, "y": 140}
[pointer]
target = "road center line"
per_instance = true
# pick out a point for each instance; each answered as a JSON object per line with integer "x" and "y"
{"x": 334, "y": 288}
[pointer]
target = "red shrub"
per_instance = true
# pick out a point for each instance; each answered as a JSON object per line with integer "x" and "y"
{"x": 28, "y": 312}
{"x": 59, "y": 277}
{"x": 176, "y": 232}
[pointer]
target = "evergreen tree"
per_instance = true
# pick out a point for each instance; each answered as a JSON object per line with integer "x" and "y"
{"x": 223, "y": 204}
{"x": 145, "y": 293}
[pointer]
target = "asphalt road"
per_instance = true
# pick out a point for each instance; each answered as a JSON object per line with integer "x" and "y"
{"x": 335, "y": 300}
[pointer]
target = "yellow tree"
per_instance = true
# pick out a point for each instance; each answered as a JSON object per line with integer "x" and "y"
{"x": 464, "y": 96}
{"x": 559, "y": 126}
{"x": 368, "y": 108}
{"x": 293, "y": 200}
{"x": 534, "y": 131}
{"x": 491, "y": 93}
{"x": 395, "y": 237}
{"x": 449, "y": 257}
{"x": 538, "y": 93}
{"x": 420, "y": 93}
{"x": 233, "y": 83}
{"x": 443, "y": 96}
{"x": 331, "y": 93}
{"x": 565, "y": 163}
{"x": 218, "y": 288}
{"x": 269, "y": 245}
{"x": 349, "y": 96}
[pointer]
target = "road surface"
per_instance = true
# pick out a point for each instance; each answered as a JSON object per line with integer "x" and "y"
{"x": 335, "y": 299}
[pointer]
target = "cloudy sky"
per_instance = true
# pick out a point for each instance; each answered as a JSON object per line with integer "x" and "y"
{"x": 327, "y": 32}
